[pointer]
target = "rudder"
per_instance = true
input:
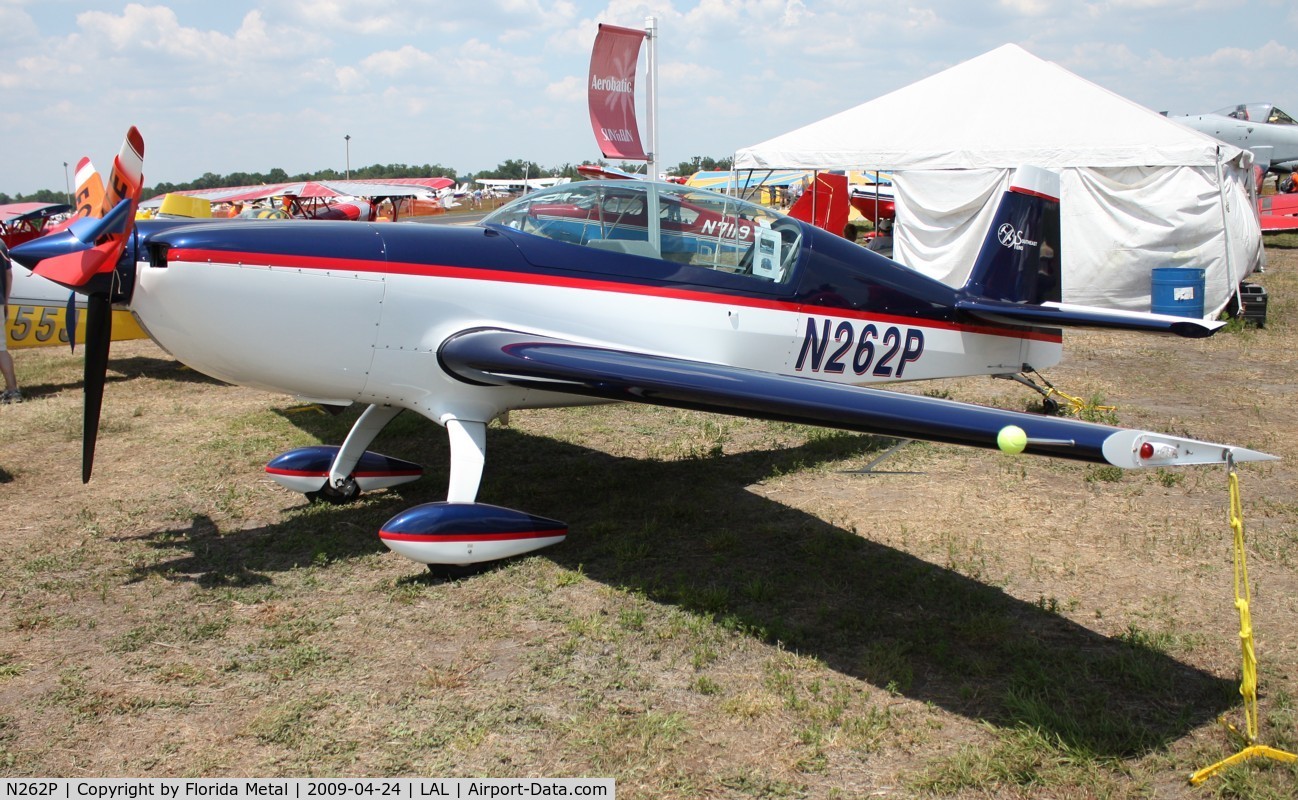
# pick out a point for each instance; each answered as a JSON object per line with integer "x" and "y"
{"x": 1018, "y": 259}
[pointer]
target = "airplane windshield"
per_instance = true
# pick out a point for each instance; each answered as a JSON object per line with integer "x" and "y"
{"x": 1257, "y": 112}
{"x": 663, "y": 221}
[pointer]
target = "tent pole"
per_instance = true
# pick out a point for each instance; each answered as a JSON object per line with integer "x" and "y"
{"x": 651, "y": 166}
{"x": 651, "y": 96}
{"x": 1225, "y": 227}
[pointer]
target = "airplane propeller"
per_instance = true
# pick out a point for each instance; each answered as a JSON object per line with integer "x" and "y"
{"x": 85, "y": 258}
{"x": 99, "y": 334}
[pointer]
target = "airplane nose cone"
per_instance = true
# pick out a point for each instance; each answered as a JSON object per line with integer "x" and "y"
{"x": 34, "y": 251}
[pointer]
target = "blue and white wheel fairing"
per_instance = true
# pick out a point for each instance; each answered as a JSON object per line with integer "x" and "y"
{"x": 307, "y": 468}
{"x": 468, "y": 533}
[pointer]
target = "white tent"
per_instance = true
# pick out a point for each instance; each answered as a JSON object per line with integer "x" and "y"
{"x": 1138, "y": 190}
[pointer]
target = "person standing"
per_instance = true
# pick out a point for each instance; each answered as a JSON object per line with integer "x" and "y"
{"x": 11, "y": 393}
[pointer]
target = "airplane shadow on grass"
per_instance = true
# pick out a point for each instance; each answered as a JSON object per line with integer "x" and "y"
{"x": 688, "y": 533}
{"x": 125, "y": 369}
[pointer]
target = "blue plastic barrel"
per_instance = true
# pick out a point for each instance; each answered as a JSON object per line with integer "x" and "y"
{"x": 1177, "y": 291}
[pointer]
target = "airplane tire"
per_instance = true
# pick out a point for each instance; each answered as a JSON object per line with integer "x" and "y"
{"x": 339, "y": 496}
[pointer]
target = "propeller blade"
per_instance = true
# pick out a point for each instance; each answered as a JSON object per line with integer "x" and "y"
{"x": 90, "y": 189}
{"x": 70, "y": 321}
{"x": 99, "y": 334}
{"x": 127, "y": 177}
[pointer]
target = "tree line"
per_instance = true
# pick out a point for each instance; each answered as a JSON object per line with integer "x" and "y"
{"x": 511, "y": 169}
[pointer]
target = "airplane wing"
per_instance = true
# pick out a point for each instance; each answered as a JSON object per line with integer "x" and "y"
{"x": 19, "y": 212}
{"x": 500, "y": 357}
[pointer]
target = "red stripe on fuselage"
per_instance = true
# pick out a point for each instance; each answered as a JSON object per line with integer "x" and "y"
{"x": 326, "y": 264}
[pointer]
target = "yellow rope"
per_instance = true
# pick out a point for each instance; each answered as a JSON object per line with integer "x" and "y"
{"x": 305, "y": 407}
{"x": 1077, "y": 403}
{"x": 1243, "y": 595}
{"x": 1248, "y": 680}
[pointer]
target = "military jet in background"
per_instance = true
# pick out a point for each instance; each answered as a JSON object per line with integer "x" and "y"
{"x": 1261, "y": 128}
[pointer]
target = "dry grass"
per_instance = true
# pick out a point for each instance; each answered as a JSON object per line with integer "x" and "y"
{"x": 733, "y": 615}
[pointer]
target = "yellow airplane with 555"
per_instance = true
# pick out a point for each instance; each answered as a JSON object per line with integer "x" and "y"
{"x": 38, "y": 314}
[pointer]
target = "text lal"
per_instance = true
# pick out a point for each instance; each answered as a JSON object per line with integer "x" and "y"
{"x": 493, "y": 790}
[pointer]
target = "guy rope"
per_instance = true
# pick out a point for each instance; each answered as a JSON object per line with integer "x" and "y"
{"x": 1248, "y": 680}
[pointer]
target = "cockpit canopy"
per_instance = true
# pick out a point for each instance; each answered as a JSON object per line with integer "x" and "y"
{"x": 1257, "y": 112}
{"x": 663, "y": 221}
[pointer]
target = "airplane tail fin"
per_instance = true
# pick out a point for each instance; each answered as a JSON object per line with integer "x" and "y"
{"x": 1015, "y": 279}
{"x": 825, "y": 203}
{"x": 1009, "y": 265}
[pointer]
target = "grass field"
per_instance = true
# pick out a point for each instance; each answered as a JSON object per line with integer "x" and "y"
{"x": 735, "y": 614}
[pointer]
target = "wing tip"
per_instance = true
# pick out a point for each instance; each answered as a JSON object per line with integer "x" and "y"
{"x": 1134, "y": 449}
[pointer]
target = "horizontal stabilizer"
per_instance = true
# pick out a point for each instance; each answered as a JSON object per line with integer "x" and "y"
{"x": 1064, "y": 315}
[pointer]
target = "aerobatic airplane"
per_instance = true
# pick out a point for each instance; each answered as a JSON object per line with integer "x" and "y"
{"x": 706, "y": 302}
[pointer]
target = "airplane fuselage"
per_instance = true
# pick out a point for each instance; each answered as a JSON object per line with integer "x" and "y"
{"x": 313, "y": 310}
{"x": 1262, "y": 128}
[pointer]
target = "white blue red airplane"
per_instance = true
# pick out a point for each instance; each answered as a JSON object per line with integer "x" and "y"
{"x": 575, "y": 295}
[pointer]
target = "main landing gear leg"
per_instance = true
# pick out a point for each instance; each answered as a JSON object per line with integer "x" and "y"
{"x": 460, "y": 536}
{"x": 468, "y": 456}
{"x": 340, "y": 487}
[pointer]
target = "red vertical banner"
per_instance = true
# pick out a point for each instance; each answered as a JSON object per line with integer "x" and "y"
{"x": 612, "y": 92}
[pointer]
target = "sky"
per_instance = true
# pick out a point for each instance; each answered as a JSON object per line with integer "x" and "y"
{"x": 251, "y": 86}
